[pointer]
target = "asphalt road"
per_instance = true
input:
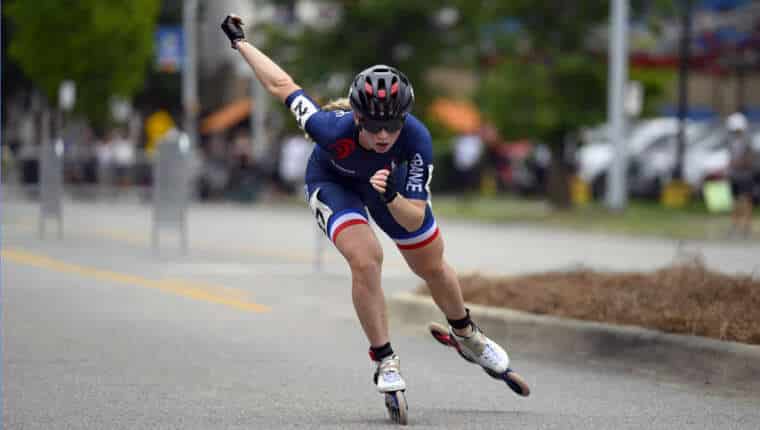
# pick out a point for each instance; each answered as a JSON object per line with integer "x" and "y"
{"x": 99, "y": 333}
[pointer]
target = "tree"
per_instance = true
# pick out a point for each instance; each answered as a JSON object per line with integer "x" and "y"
{"x": 545, "y": 83}
{"x": 548, "y": 83}
{"x": 401, "y": 33}
{"x": 102, "y": 45}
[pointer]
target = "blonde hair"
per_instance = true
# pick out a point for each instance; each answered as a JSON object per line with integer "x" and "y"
{"x": 338, "y": 104}
{"x": 333, "y": 105}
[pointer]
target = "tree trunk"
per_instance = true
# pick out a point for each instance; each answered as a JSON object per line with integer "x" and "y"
{"x": 558, "y": 180}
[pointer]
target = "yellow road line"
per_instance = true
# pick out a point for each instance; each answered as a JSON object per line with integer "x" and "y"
{"x": 186, "y": 289}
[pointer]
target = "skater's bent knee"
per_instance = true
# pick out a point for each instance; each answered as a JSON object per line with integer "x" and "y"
{"x": 431, "y": 272}
{"x": 366, "y": 262}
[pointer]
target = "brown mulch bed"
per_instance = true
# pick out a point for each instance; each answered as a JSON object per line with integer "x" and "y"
{"x": 683, "y": 298}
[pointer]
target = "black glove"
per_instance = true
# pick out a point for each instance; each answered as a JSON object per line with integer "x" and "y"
{"x": 233, "y": 28}
{"x": 391, "y": 190}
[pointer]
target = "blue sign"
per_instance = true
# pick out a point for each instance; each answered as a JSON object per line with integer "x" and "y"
{"x": 170, "y": 48}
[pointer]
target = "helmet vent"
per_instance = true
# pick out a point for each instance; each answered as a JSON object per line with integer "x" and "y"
{"x": 381, "y": 92}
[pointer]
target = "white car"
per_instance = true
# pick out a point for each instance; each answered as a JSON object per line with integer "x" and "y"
{"x": 650, "y": 153}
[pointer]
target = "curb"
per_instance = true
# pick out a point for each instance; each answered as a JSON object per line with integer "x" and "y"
{"x": 699, "y": 359}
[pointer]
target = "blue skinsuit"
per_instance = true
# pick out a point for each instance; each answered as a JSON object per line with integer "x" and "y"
{"x": 339, "y": 169}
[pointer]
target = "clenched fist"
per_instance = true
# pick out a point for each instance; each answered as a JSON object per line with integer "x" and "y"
{"x": 382, "y": 181}
{"x": 233, "y": 28}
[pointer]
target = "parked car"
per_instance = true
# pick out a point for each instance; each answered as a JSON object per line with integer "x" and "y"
{"x": 651, "y": 154}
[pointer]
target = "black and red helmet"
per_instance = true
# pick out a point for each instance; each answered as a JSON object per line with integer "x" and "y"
{"x": 381, "y": 93}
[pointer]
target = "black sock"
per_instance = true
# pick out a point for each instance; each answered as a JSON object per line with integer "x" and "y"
{"x": 380, "y": 352}
{"x": 463, "y": 323}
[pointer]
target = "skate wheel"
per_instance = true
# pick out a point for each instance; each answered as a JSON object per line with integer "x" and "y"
{"x": 516, "y": 383}
{"x": 395, "y": 402}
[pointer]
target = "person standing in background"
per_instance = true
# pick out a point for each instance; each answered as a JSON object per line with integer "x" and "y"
{"x": 294, "y": 156}
{"x": 741, "y": 174}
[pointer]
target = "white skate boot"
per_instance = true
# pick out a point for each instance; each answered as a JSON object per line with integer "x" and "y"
{"x": 480, "y": 350}
{"x": 388, "y": 375}
{"x": 390, "y": 383}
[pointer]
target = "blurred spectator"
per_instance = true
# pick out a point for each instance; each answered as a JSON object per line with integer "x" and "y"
{"x": 496, "y": 157}
{"x": 104, "y": 158}
{"x": 124, "y": 155}
{"x": 294, "y": 155}
{"x": 28, "y": 156}
{"x": 741, "y": 172}
{"x": 6, "y": 162}
{"x": 87, "y": 161}
{"x": 241, "y": 145}
{"x": 468, "y": 151}
{"x": 214, "y": 176}
{"x": 244, "y": 180}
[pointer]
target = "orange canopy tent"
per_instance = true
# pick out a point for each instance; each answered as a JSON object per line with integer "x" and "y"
{"x": 459, "y": 116}
{"x": 226, "y": 117}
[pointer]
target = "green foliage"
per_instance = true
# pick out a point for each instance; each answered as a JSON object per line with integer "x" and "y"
{"x": 532, "y": 99}
{"x": 400, "y": 33}
{"x": 102, "y": 45}
{"x": 556, "y": 85}
{"x": 549, "y": 85}
{"x": 655, "y": 82}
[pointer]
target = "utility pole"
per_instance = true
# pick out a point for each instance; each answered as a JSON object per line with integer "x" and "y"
{"x": 259, "y": 108}
{"x": 2, "y": 97}
{"x": 675, "y": 194}
{"x": 683, "y": 88}
{"x": 190, "y": 102}
{"x": 617, "y": 191}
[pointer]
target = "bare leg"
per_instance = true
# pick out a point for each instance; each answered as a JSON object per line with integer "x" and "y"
{"x": 749, "y": 217}
{"x": 364, "y": 255}
{"x": 745, "y": 217}
{"x": 428, "y": 263}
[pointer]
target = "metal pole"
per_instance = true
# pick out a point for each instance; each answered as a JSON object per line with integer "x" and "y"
{"x": 683, "y": 89}
{"x": 190, "y": 102}
{"x": 740, "y": 85}
{"x": 157, "y": 180}
{"x": 43, "y": 166}
{"x": 2, "y": 97}
{"x": 258, "y": 115}
{"x": 59, "y": 145}
{"x": 617, "y": 193}
{"x": 259, "y": 107}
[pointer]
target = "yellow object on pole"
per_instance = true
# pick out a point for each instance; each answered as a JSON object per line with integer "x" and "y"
{"x": 488, "y": 185}
{"x": 580, "y": 191}
{"x": 675, "y": 194}
{"x": 156, "y": 126}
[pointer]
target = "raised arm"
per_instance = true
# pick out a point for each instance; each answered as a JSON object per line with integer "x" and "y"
{"x": 275, "y": 80}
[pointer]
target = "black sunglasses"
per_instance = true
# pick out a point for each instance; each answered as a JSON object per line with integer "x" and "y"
{"x": 374, "y": 126}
